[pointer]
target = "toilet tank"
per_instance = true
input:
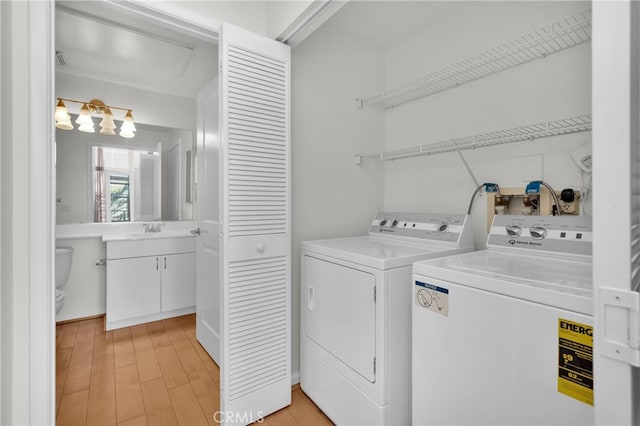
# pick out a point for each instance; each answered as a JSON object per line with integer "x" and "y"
{"x": 63, "y": 265}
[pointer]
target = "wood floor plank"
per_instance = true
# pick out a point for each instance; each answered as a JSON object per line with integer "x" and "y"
{"x": 305, "y": 411}
{"x": 79, "y": 373}
{"x": 102, "y": 341}
{"x": 129, "y": 402}
{"x": 188, "y": 323}
{"x": 123, "y": 347}
{"x": 281, "y": 418}
{"x": 157, "y": 403}
{"x": 209, "y": 363}
{"x": 148, "y": 366}
{"x": 204, "y": 385}
{"x": 136, "y": 421}
{"x": 186, "y": 406}
{"x": 73, "y": 409}
{"x": 172, "y": 370}
{"x": 61, "y": 376}
{"x": 67, "y": 336}
{"x": 158, "y": 334}
{"x": 191, "y": 362}
{"x": 210, "y": 404}
{"x": 101, "y": 409}
{"x": 141, "y": 338}
{"x": 178, "y": 337}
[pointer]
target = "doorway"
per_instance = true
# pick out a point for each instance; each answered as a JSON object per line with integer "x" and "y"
{"x": 119, "y": 54}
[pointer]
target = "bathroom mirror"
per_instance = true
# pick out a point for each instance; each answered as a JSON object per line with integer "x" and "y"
{"x": 105, "y": 179}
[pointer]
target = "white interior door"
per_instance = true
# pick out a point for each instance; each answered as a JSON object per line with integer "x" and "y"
{"x": 256, "y": 260}
{"x": 616, "y": 180}
{"x": 208, "y": 220}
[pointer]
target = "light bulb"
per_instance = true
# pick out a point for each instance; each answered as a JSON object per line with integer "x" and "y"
{"x": 63, "y": 119}
{"x": 84, "y": 120}
{"x": 128, "y": 122}
{"x": 107, "y": 125}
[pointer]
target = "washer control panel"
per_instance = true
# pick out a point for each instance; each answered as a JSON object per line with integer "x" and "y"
{"x": 438, "y": 227}
{"x": 564, "y": 234}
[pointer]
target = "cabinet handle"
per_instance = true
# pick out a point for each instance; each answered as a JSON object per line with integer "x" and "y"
{"x": 156, "y": 263}
{"x": 165, "y": 262}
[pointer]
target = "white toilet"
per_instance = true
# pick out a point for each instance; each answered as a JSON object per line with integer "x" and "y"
{"x": 63, "y": 267}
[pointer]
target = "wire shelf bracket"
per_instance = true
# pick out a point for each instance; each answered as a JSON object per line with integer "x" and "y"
{"x": 563, "y": 34}
{"x": 518, "y": 134}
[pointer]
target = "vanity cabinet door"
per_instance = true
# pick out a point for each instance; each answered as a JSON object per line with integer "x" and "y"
{"x": 178, "y": 281}
{"x": 133, "y": 287}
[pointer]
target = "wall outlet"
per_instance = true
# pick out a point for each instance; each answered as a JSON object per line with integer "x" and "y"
{"x": 572, "y": 207}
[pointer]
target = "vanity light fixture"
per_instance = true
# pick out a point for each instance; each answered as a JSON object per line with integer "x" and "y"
{"x": 85, "y": 119}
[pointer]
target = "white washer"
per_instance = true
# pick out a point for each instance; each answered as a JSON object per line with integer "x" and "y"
{"x": 356, "y": 314}
{"x": 504, "y": 335}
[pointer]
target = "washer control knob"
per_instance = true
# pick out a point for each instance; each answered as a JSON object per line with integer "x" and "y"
{"x": 538, "y": 232}
{"x": 394, "y": 223}
{"x": 513, "y": 230}
{"x": 383, "y": 222}
{"x": 443, "y": 227}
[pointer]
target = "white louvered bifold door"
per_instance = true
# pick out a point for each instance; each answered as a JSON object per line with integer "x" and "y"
{"x": 256, "y": 340}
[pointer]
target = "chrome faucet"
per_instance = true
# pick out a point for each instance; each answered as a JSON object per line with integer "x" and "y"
{"x": 152, "y": 227}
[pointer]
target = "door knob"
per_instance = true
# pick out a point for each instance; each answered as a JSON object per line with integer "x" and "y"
{"x": 260, "y": 247}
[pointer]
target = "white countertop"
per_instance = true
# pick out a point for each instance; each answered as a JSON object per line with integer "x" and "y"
{"x": 122, "y": 231}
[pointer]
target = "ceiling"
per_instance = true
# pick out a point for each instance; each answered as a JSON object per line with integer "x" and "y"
{"x": 386, "y": 23}
{"x": 100, "y": 41}
{"x": 110, "y": 46}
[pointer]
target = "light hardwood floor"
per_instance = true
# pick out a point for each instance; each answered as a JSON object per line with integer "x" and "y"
{"x": 149, "y": 374}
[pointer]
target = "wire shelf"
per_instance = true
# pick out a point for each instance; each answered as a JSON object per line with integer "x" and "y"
{"x": 500, "y": 137}
{"x": 568, "y": 32}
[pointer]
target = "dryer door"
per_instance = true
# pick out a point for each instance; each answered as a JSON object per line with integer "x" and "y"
{"x": 340, "y": 313}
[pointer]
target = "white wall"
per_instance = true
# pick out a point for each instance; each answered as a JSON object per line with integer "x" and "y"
{"x": 5, "y": 104}
{"x": 550, "y": 89}
{"x": 331, "y": 196}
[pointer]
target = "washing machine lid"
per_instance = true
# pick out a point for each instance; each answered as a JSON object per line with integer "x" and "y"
{"x": 378, "y": 252}
{"x": 559, "y": 282}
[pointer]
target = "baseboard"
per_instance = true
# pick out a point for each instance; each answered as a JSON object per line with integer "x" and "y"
{"x": 79, "y": 319}
{"x": 295, "y": 378}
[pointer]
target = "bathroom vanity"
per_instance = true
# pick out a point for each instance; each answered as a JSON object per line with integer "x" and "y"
{"x": 149, "y": 277}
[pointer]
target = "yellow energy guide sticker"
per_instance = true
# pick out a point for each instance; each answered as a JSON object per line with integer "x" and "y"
{"x": 575, "y": 360}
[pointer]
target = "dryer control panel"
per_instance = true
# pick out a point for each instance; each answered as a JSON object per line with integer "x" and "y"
{"x": 558, "y": 234}
{"x": 454, "y": 228}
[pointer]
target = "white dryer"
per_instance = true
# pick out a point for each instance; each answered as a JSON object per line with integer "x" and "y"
{"x": 505, "y": 335}
{"x": 356, "y": 314}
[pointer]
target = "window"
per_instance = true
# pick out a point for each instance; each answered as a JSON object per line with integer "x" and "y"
{"x": 126, "y": 184}
{"x": 120, "y": 200}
